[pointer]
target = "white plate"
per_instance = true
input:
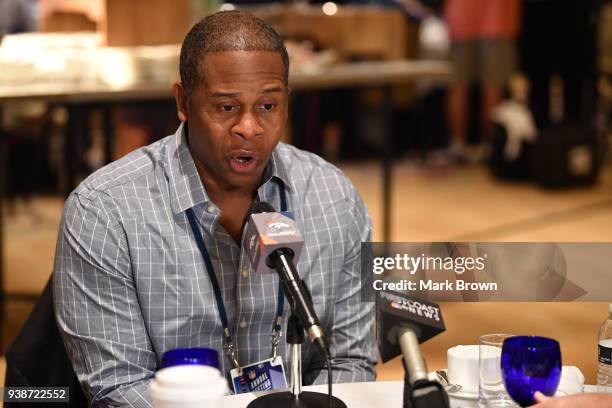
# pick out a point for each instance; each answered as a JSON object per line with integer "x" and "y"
{"x": 470, "y": 396}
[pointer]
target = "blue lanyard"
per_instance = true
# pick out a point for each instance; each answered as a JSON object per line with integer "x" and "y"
{"x": 228, "y": 345}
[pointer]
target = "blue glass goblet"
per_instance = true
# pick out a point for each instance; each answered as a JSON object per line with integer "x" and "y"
{"x": 186, "y": 356}
{"x": 530, "y": 364}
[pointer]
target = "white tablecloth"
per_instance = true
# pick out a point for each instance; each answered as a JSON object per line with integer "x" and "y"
{"x": 387, "y": 394}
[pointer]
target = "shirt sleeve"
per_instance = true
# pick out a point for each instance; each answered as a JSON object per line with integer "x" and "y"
{"x": 96, "y": 305}
{"x": 352, "y": 333}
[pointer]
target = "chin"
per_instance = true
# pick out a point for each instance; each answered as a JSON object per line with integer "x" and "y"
{"x": 244, "y": 180}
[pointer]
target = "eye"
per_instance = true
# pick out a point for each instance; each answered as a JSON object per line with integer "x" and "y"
{"x": 268, "y": 106}
{"x": 227, "y": 108}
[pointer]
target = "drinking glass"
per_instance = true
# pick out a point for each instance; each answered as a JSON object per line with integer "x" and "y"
{"x": 491, "y": 390}
{"x": 530, "y": 364}
{"x": 187, "y": 356}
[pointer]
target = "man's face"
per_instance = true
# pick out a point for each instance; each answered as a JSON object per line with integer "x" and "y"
{"x": 236, "y": 116}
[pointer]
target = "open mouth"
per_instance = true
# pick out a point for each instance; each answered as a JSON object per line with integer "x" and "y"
{"x": 243, "y": 162}
{"x": 243, "y": 159}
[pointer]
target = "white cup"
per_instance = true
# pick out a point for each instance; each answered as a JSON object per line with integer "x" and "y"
{"x": 463, "y": 367}
{"x": 188, "y": 386}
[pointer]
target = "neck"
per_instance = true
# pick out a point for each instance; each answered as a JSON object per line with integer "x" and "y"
{"x": 219, "y": 191}
{"x": 234, "y": 202}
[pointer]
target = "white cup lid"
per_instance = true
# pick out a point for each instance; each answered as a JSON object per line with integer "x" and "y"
{"x": 188, "y": 383}
{"x": 469, "y": 351}
{"x": 187, "y": 376}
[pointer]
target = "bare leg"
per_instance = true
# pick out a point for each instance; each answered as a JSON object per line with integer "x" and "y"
{"x": 491, "y": 97}
{"x": 458, "y": 111}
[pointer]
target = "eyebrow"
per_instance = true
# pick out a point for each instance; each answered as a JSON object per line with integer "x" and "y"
{"x": 225, "y": 95}
{"x": 272, "y": 90}
{"x": 221, "y": 94}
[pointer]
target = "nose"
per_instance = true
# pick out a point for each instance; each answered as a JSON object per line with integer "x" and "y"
{"x": 247, "y": 126}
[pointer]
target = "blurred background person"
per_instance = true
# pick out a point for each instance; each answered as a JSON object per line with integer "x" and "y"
{"x": 559, "y": 54}
{"x": 18, "y": 16}
{"x": 483, "y": 50}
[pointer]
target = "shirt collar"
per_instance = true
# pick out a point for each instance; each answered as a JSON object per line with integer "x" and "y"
{"x": 186, "y": 188}
{"x": 277, "y": 169}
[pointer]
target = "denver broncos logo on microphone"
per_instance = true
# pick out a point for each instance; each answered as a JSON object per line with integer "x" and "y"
{"x": 277, "y": 225}
{"x": 278, "y": 228}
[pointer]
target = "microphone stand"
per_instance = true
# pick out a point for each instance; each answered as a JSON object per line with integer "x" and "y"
{"x": 419, "y": 391}
{"x": 296, "y": 398}
{"x": 424, "y": 394}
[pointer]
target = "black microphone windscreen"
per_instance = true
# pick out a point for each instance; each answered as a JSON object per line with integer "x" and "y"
{"x": 394, "y": 310}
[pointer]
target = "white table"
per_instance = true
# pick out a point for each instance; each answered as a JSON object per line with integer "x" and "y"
{"x": 387, "y": 394}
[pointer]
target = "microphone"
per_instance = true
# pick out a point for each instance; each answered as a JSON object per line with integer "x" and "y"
{"x": 272, "y": 242}
{"x": 402, "y": 323}
{"x": 268, "y": 231}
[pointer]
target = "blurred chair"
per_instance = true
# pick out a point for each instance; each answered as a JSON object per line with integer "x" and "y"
{"x": 38, "y": 358}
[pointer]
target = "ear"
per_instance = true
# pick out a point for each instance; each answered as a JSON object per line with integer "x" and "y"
{"x": 182, "y": 101}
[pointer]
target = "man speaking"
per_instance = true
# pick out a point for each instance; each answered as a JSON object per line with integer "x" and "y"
{"x": 131, "y": 281}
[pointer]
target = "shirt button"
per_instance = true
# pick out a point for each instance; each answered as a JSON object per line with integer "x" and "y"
{"x": 243, "y": 323}
{"x": 245, "y": 272}
{"x": 210, "y": 209}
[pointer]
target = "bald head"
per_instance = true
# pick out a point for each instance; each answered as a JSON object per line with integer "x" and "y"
{"x": 226, "y": 31}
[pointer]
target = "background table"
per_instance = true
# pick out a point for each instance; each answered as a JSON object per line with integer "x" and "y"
{"x": 80, "y": 98}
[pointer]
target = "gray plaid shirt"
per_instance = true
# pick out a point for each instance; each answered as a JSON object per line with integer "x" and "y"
{"x": 130, "y": 284}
